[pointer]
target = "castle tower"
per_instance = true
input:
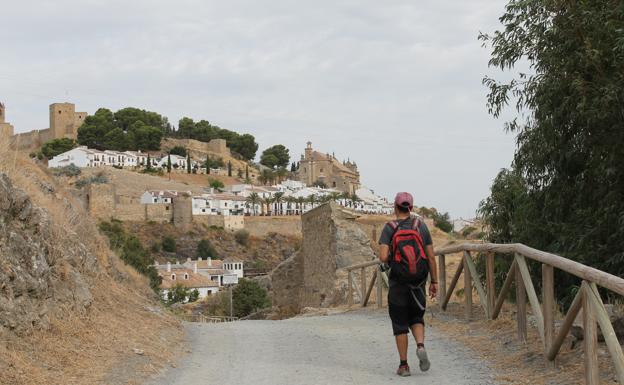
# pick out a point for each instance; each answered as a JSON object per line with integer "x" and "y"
{"x": 64, "y": 120}
{"x": 308, "y": 151}
{"x": 6, "y": 129}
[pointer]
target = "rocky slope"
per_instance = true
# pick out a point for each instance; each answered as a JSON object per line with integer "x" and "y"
{"x": 70, "y": 311}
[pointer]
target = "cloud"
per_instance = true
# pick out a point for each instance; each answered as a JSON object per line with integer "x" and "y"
{"x": 394, "y": 85}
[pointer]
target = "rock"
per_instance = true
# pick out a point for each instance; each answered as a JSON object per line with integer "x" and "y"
{"x": 616, "y": 316}
{"x": 40, "y": 268}
{"x": 140, "y": 352}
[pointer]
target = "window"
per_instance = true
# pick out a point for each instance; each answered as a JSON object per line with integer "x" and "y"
{"x": 59, "y": 112}
{"x": 173, "y": 277}
{"x": 321, "y": 170}
{"x": 155, "y": 200}
{"x": 167, "y": 208}
{"x": 185, "y": 275}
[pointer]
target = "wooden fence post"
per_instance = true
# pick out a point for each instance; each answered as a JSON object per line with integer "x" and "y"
{"x": 441, "y": 278}
{"x": 350, "y": 288}
{"x": 548, "y": 305}
{"x": 490, "y": 287}
{"x": 363, "y": 284}
{"x": 590, "y": 340}
{"x": 467, "y": 289}
{"x": 521, "y": 314}
{"x": 379, "y": 287}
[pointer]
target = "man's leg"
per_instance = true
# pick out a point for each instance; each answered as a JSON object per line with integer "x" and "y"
{"x": 418, "y": 331}
{"x": 401, "y": 343}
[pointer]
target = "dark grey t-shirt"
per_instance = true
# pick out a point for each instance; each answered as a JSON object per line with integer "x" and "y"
{"x": 406, "y": 224}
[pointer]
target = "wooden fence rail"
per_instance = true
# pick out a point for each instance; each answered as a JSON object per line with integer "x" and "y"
{"x": 587, "y": 298}
{"x": 207, "y": 319}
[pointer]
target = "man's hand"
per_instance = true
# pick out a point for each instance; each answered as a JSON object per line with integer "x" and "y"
{"x": 433, "y": 289}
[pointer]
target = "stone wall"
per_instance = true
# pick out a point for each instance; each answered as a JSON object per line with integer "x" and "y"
{"x": 159, "y": 213}
{"x": 182, "y": 210}
{"x": 262, "y": 226}
{"x": 101, "y": 201}
{"x": 313, "y": 276}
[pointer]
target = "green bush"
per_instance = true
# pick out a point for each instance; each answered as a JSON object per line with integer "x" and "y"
{"x": 54, "y": 147}
{"x": 169, "y": 244}
{"x": 178, "y": 150}
{"x": 442, "y": 222}
{"x": 71, "y": 170}
{"x": 466, "y": 231}
{"x": 242, "y": 237}
{"x": 130, "y": 250}
{"x": 206, "y": 250}
{"x": 99, "y": 178}
{"x": 248, "y": 297}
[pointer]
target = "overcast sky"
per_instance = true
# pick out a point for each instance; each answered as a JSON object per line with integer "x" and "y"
{"x": 393, "y": 85}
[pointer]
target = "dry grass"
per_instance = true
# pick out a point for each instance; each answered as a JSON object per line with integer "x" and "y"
{"x": 95, "y": 346}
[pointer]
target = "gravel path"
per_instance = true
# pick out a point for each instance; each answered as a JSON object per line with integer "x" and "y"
{"x": 350, "y": 348}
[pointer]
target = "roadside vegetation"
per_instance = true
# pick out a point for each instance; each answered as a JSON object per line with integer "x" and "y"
{"x": 564, "y": 192}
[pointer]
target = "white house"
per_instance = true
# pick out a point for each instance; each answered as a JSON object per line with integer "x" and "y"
{"x": 218, "y": 204}
{"x": 221, "y": 272}
{"x": 80, "y": 157}
{"x": 186, "y": 277}
{"x": 159, "y": 196}
{"x": 177, "y": 161}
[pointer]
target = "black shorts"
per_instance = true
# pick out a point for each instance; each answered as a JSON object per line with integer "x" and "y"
{"x": 403, "y": 309}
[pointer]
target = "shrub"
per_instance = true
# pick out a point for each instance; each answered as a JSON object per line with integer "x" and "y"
{"x": 442, "y": 222}
{"x": 71, "y": 170}
{"x": 130, "y": 250}
{"x": 178, "y": 150}
{"x": 206, "y": 250}
{"x": 248, "y": 296}
{"x": 99, "y": 178}
{"x": 54, "y": 147}
{"x": 215, "y": 183}
{"x": 155, "y": 247}
{"x": 242, "y": 237}
{"x": 169, "y": 244}
{"x": 466, "y": 231}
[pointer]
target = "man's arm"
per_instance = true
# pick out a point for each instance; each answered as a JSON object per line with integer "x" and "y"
{"x": 433, "y": 270}
{"x": 384, "y": 250}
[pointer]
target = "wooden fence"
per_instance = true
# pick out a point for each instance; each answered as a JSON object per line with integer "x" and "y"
{"x": 364, "y": 290}
{"x": 587, "y": 298}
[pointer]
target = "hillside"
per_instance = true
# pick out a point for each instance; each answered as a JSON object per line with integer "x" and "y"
{"x": 70, "y": 310}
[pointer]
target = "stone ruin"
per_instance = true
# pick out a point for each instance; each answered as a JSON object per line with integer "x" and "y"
{"x": 314, "y": 275}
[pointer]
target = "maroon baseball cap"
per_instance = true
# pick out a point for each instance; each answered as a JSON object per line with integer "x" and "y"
{"x": 404, "y": 199}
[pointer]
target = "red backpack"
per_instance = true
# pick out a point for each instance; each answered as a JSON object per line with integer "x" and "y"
{"x": 408, "y": 261}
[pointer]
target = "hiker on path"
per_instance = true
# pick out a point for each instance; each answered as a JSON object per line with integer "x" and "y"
{"x": 406, "y": 246}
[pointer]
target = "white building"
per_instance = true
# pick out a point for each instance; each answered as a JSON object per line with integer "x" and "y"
{"x": 222, "y": 272}
{"x": 218, "y": 204}
{"x": 85, "y": 157}
{"x": 159, "y": 196}
{"x": 190, "y": 278}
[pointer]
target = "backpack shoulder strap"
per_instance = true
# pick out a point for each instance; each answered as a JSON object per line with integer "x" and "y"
{"x": 393, "y": 225}
{"x": 416, "y": 223}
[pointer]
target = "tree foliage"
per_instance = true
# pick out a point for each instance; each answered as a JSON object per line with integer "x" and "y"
{"x": 54, "y": 147}
{"x": 275, "y": 156}
{"x": 206, "y": 250}
{"x": 127, "y": 129}
{"x": 244, "y": 144}
{"x": 131, "y": 251}
{"x": 248, "y": 296}
{"x": 565, "y": 190}
{"x": 178, "y": 150}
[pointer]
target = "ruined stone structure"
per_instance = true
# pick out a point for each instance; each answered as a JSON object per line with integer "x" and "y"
{"x": 318, "y": 167}
{"x": 64, "y": 123}
{"x": 6, "y": 129}
{"x": 312, "y": 276}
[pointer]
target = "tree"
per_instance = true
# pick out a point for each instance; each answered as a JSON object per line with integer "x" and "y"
{"x": 169, "y": 163}
{"x": 248, "y": 296}
{"x": 193, "y": 295}
{"x": 206, "y": 250}
{"x": 253, "y": 199}
{"x": 275, "y": 156}
{"x": 320, "y": 184}
{"x": 178, "y": 150}
{"x": 281, "y": 174}
{"x": 268, "y": 201}
{"x": 188, "y": 163}
{"x": 54, "y": 147}
{"x": 148, "y": 167}
{"x": 215, "y": 183}
{"x": 178, "y": 294}
{"x": 229, "y": 168}
{"x": 246, "y": 172}
{"x": 169, "y": 244}
{"x": 207, "y": 164}
{"x": 239, "y": 173}
{"x": 278, "y": 198}
{"x": 246, "y": 146}
{"x": 565, "y": 191}
{"x": 442, "y": 222}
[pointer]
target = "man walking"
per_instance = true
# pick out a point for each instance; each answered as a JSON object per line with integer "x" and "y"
{"x": 406, "y": 246}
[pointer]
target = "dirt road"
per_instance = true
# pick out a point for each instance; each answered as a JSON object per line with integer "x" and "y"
{"x": 350, "y": 348}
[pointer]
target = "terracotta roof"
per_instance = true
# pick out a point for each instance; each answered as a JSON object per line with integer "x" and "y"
{"x": 193, "y": 281}
{"x": 320, "y": 156}
{"x": 216, "y": 264}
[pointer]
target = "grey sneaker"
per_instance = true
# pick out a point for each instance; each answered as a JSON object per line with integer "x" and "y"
{"x": 424, "y": 360}
{"x": 403, "y": 371}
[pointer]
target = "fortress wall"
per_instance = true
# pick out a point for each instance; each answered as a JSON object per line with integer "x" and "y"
{"x": 262, "y": 226}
